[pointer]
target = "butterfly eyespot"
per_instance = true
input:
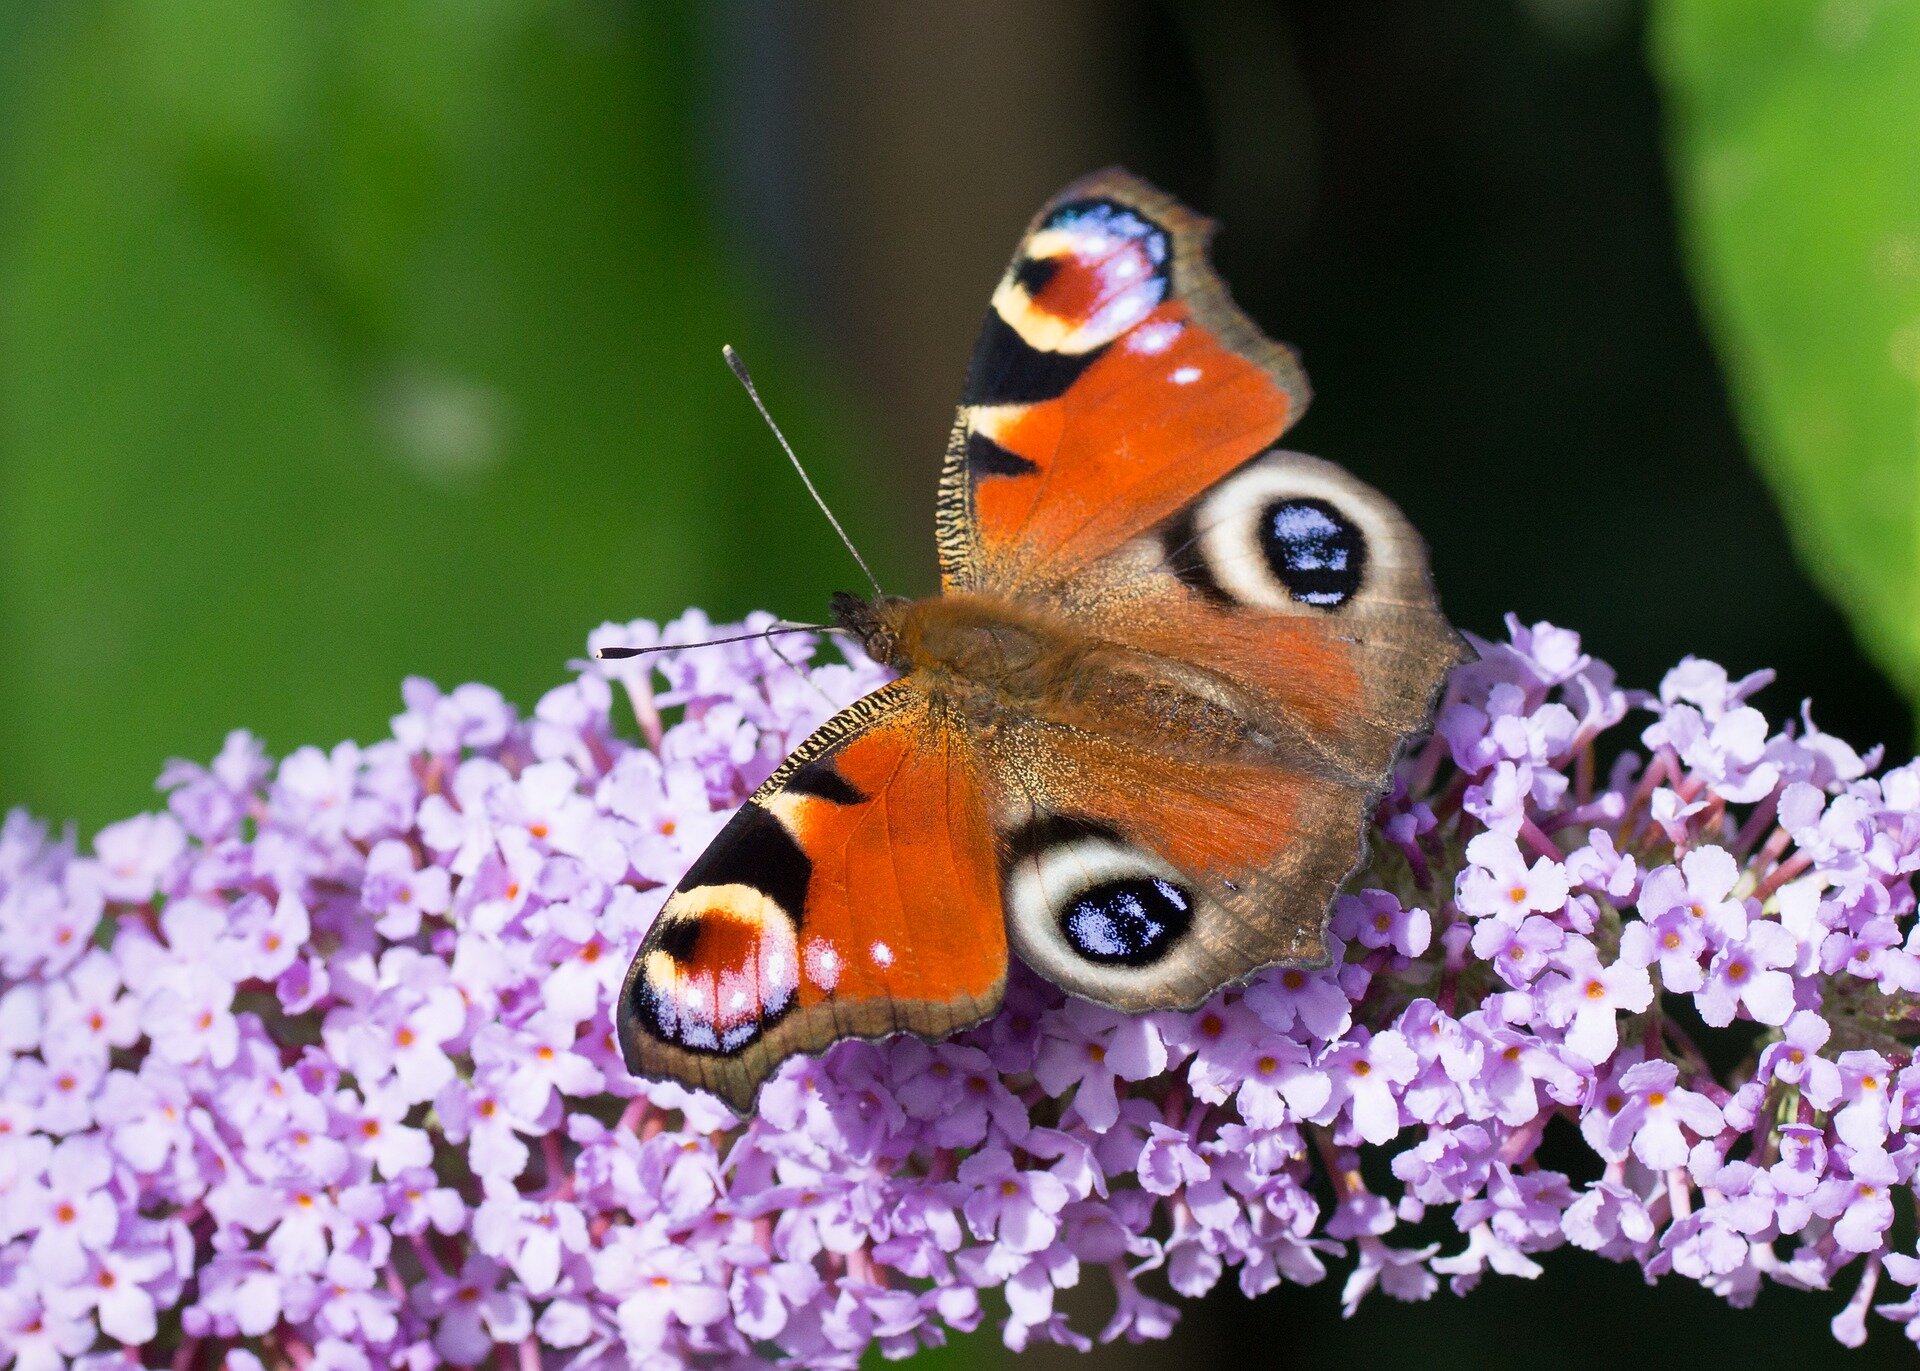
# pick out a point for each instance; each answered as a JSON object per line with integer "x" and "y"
{"x": 1282, "y": 533}
{"x": 717, "y": 969}
{"x": 1129, "y": 922}
{"x": 1314, "y": 550}
{"x": 1093, "y": 271}
{"x": 1091, "y": 911}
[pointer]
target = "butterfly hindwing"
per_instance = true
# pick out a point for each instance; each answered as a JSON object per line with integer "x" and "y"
{"x": 854, "y": 894}
{"x": 1144, "y": 874}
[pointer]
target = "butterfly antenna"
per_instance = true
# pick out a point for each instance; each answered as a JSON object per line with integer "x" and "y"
{"x": 796, "y": 669}
{"x": 740, "y": 370}
{"x": 617, "y": 654}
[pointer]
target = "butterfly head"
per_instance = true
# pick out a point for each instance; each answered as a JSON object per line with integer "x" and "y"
{"x": 877, "y": 623}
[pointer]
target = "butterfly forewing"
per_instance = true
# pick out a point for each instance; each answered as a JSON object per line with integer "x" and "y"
{"x": 855, "y": 894}
{"x": 1112, "y": 381}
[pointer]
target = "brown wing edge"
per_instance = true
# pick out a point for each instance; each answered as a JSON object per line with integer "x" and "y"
{"x": 805, "y": 1031}
{"x": 1195, "y": 283}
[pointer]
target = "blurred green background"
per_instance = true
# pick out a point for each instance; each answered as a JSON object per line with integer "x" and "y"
{"x": 341, "y": 341}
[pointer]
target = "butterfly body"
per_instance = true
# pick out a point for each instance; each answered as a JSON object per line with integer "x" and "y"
{"x": 991, "y": 668}
{"x": 1135, "y": 739}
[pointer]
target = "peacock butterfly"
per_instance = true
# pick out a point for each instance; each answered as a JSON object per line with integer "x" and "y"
{"x": 1137, "y": 735}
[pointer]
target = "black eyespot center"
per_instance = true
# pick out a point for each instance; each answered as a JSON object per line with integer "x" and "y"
{"x": 1314, "y": 550}
{"x": 1130, "y": 921}
{"x": 678, "y": 938}
{"x": 1033, "y": 273}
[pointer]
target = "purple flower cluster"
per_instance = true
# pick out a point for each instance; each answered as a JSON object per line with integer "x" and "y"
{"x": 313, "y": 1069}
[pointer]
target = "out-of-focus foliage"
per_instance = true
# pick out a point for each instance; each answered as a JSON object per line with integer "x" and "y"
{"x": 1796, "y": 147}
{"x": 346, "y": 341}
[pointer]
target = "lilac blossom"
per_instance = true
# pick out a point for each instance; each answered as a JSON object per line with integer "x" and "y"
{"x": 313, "y": 1065}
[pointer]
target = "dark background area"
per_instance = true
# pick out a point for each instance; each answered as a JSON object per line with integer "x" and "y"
{"x": 409, "y": 362}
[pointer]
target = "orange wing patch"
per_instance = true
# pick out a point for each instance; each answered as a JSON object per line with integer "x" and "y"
{"x": 1161, "y": 414}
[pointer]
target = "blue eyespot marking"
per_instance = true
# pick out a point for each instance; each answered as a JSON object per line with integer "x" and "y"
{"x": 1105, "y": 219}
{"x": 1314, "y": 550}
{"x": 1134, "y": 921}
